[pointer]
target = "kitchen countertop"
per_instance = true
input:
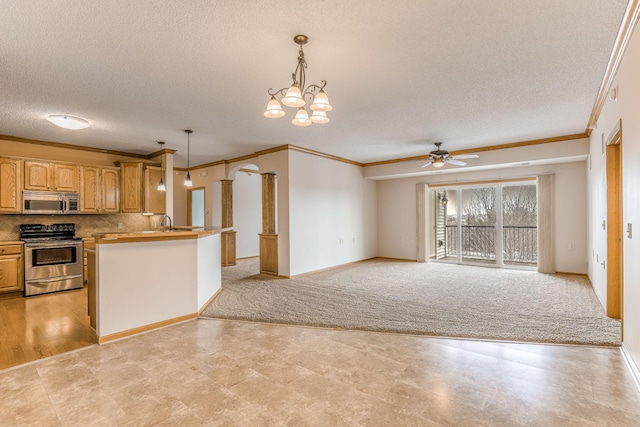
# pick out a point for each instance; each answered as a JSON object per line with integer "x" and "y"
{"x": 177, "y": 233}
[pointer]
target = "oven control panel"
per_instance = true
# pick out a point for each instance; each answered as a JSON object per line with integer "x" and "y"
{"x": 44, "y": 228}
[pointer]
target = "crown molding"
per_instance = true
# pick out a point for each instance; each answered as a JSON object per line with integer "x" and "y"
{"x": 161, "y": 152}
{"x": 629, "y": 21}
{"x": 72, "y": 147}
{"x": 489, "y": 148}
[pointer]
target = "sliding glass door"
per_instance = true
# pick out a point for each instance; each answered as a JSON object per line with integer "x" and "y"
{"x": 519, "y": 225}
{"x": 484, "y": 224}
{"x": 478, "y": 224}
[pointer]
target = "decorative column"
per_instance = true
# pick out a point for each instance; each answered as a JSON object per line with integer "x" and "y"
{"x": 227, "y": 238}
{"x": 269, "y": 237}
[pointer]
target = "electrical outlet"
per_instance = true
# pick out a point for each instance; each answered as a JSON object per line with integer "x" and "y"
{"x": 120, "y": 226}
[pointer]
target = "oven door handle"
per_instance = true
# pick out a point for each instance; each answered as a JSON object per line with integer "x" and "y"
{"x": 50, "y": 244}
{"x": 55, "y": 279}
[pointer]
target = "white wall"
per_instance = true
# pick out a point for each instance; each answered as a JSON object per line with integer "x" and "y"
{"x": 332, "y": 213}
{"x": 626, "y": 107}
{"x": 397, "y": 230}
{"x": 247, "y": 213}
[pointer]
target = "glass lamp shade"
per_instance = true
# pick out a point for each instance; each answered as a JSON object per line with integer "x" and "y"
{"x": 68, "y": 122}
{"x": 293, "y": 97}
{"x": 274, "y": 110}
{"x": 161, "y": 186}
{"x": 302, "y": 118}
{"x": 187, "y": 181}
{"x": 438, "y": 163}
{"x": 319, "y": 117}
{"x": 321, "y": 102}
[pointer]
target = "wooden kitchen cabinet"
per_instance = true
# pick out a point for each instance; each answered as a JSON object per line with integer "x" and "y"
{"x": 37, "y": 175}
{"x": 65, "y": 177}
{"x": 46, "y": 176}
{"x": 11, "y": 265}
{"x": 89, "y": 189}
{"x": 99, "y": 189}
{"x": 131, "y": 186}
{"x": 110, "y": 190}
{"x": 10, "y": 185}
{"x": 154, "y": 200}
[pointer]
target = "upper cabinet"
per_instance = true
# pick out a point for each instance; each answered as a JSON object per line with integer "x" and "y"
{"x": 110, "y": 190}
{"x": 10, "y": 185}
{"x": 154, "y": 200}
{"x": 37, "y": 175}
{"x": 65, "y": 177}
{"x": 131, "y": 186}
{"x": 89, "y": 189}
{"x": 99, "y": 189}
{"x": 45, "y": 176}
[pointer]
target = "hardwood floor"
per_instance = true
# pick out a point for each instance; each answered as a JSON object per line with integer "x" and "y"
{"x": 39, "y": 326}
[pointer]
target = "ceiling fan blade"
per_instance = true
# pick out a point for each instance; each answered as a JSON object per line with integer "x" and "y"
{"x": 454, "y": 162}
{"x": 467, "y": 156}
{"x": 427, "y": 164}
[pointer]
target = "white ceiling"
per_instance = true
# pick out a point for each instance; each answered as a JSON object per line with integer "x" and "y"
{"x": 400, "y": 73}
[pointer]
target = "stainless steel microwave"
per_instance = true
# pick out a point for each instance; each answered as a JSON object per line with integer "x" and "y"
{"x": 50, "y": 203}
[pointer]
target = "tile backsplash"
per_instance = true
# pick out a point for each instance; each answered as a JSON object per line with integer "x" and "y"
{"x": 86, "y": 225}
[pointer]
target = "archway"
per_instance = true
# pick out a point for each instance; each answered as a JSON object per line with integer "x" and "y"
{"x": 248, "y": 204}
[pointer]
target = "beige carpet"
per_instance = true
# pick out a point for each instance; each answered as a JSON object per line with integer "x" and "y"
{"x": 430, "y": 299}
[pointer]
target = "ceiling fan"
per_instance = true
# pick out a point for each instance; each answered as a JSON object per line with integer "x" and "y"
{"x": 439, "y": 157}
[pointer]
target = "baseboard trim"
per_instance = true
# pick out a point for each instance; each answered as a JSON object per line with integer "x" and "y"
{"x": 146, "y": 328}
{"x": 329, "y": 268}
{"x": 216, "y": 293}
{"x": 396, "y": 259}
{"x": 573, "y": 274}
{"x": 633, "y": 368}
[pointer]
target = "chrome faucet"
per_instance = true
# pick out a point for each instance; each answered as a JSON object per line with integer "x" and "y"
{"x": 162, "y": 223}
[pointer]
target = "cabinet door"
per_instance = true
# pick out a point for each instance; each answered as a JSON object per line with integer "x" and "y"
{"x": 110, "y": 190}
{"x": 65, "y": 177}
{"x": 10, "y": 185}
{"x": 89, "y": 189}
{"x": 131, "y": 197}
{"x": 154, "y": 199}
{"x": 11, "y": 273}
{"x": 37, "y": 176}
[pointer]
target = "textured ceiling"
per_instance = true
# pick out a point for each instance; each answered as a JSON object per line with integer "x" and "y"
{"x": 400, "y": 73}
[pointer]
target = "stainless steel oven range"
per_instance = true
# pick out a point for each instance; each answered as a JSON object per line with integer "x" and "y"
{"x": 52, "y": 257}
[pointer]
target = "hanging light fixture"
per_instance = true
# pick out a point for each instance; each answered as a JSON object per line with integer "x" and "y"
{"x": 161, "y": 186}
{"x": 187, "y": 181}
{"x": 294, "y": 96}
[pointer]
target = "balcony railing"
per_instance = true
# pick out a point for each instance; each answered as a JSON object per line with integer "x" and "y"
{"x": 519, "y": 243}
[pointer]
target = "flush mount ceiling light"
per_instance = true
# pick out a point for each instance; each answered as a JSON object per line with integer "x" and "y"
{"x": 68, "y": 122}
{"x": 294, "y": 96}
{"x": 187, "y": 181}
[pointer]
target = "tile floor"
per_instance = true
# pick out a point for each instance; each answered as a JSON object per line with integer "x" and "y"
{"x": 218, "y": 372}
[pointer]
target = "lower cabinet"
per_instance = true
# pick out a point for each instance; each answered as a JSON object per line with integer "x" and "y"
{"x": 11, "y": 268}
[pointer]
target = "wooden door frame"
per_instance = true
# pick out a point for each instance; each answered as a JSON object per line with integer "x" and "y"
{"x": 189, "y": 201}
{"x": 614, "y": 258}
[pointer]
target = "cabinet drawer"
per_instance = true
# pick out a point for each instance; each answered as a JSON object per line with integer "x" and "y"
{"x": 11, "y": 250}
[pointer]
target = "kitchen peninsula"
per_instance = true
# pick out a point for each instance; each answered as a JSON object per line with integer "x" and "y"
{"x": 143, "y": 280}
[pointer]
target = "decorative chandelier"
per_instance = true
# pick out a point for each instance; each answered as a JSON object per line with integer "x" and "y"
{"x": 294, "y": 96}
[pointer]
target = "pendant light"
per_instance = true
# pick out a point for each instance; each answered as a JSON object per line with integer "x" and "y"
{"x": 187, "y": 181}
{"x": 161, "y": 186}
